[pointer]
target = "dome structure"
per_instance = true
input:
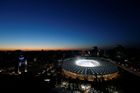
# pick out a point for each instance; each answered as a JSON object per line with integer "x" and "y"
{"x": 89, "y": 68}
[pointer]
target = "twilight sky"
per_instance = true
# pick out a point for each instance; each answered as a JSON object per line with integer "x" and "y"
{"x": 64, "y": 24}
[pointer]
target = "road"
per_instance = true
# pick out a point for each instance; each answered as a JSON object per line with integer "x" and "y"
{"x": 125, "y": 68}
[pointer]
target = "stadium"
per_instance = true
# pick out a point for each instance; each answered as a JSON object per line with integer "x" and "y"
{"x": 90, "y": 69}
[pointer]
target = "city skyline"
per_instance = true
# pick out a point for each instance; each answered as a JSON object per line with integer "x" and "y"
{"x": 54, "y": 24}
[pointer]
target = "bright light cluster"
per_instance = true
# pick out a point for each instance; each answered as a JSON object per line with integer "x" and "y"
{"x": 87, "y": 63}
{"x": 85, "y": 87}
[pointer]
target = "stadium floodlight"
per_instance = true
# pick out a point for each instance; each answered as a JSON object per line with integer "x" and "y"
{"x": 87, "y": 63}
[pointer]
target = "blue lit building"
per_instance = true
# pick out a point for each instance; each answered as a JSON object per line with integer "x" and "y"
{"x": 22, "y": 64}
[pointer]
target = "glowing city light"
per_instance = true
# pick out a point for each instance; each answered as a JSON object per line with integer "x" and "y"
{"x": 46, "y": 80}
{"x": 87, "y": 63}
{"x": 85, "y": 87}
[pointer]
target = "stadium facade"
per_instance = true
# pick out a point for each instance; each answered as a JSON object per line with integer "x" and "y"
{"x": 89, "y": 68}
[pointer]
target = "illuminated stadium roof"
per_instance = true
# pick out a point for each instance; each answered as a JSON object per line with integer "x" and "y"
{"x": 87, "y": 63}
{"x": 89, "y": 66}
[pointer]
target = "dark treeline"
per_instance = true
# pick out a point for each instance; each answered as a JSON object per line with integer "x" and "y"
{"x": 118, "y": 53}
{"x": 10, "y": 58}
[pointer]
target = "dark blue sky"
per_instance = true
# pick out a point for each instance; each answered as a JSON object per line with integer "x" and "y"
{"x": 54, "y": 24}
